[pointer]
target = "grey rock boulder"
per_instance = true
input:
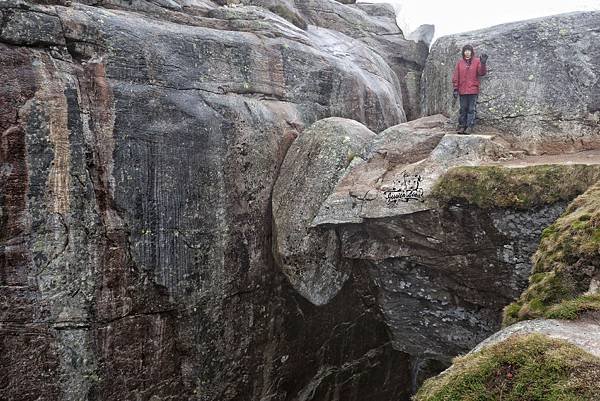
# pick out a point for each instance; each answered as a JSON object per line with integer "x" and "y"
{"x": 310, "y": 257}
{"x": 370, "y": 23}
{"x": 444, "y": 271}
{"x": 422, "y": 149}
{"x": 543, "y": 82}
{"x": 378, "y": 10}
{"x": 445, "y": 274}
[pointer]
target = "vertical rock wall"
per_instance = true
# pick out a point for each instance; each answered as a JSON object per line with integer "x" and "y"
{"x": 140, "y": 145}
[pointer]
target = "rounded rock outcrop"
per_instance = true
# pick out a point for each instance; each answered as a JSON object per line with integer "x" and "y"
{"x": 543, "y": 82}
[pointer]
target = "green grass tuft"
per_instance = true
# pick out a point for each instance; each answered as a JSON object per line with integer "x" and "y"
{"x": 573, "y": 308}
{"x": 519, "y": 188}
{"x": 522, "y": 368}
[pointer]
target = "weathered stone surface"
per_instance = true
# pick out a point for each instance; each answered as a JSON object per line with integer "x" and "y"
{"x": 584, "y": 333}
{"x": 378, "y": 10}
{"x": 445, "y": 274}
{"x": 313, "y": 165}
{"x": 370, "y": 24}
{"x": 421, "y": 149}
{"x": 373, "y": 24}
{"x": 424, "y": 33}
{"x": 140, "y": 146}
{"x": 543, "y": 81}
{"x": 355, "y": 21}
{"x": 433, "y": 265}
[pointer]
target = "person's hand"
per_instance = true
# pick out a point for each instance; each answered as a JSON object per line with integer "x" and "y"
{"x": 483, "y": 58}
{"x": 455, "y": 93}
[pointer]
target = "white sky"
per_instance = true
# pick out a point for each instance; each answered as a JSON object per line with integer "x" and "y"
{"x": 453, "y": 16}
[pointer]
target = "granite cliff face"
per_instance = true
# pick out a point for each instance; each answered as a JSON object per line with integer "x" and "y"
{"x": 140, "y": 145}
{"x": 202, "y": 200}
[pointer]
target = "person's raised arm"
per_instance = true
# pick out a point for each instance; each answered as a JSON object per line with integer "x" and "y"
{"x": 482, "y": 68}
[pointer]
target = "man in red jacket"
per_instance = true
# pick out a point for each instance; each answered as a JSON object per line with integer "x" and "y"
{"x": 466, "y": 85}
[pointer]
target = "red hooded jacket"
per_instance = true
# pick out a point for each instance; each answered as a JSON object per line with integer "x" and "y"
{"x": 466, "y": 75}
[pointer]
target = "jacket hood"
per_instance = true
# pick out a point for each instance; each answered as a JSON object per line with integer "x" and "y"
{"x": 468, "y": 47}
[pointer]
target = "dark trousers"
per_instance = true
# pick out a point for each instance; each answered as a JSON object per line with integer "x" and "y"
{"x": 468, "y": 110}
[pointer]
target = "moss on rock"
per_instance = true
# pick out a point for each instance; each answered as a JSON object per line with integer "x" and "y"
{"x": 530, "y": 367}
{"x": 511, "y": 187}
{"x": 566, "y": 262}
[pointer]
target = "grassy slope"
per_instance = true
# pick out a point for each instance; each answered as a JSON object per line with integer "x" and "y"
{"x": 533, "y": 367}
{"x": 567, "y": 259}
{"x": 521, "y": 368}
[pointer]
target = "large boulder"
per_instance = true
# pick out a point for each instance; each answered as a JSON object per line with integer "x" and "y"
{"x": 310, "y": 257}
{"x": 354, "y": 24}
{"x": 584, "y": 333}
{"x": 543, "y": 82}
{"x": 424, "y": 33}
{"x": 422, "y": 148}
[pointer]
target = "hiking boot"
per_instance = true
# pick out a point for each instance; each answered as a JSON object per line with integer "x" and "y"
{"x": 468, "y": 131}
{"x": 461, "y": 130}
